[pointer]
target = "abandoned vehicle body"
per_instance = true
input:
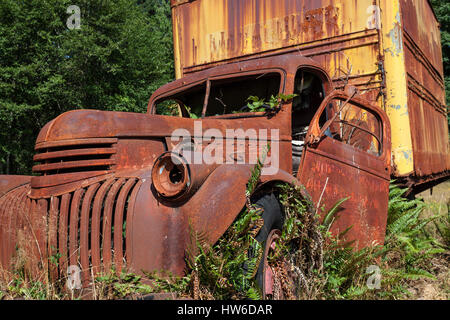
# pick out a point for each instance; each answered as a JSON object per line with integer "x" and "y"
{"x": 116, "y": 189}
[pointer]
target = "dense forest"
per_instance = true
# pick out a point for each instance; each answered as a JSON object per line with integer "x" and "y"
{"x": 119, "y": 56}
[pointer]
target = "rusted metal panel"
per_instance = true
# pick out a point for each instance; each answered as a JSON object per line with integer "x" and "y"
{"x": 9, "y": 182}
{"x": 332, "y": 170}
{"x": 353, "y": 41}
{"x": 343, "y": 36}
{"x": 248, "y": 27}
{"x": 425, "y": 80}
{"x": 137, "y": 153}
{"x": 366, "y": 209}
{"x": 421, "y": 24}
{"x": 162, "y": 229}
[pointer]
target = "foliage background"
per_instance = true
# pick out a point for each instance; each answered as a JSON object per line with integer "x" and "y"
{"x": 121, "y": 54}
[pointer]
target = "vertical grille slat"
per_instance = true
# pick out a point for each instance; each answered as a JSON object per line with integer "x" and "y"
{"x": 73, "y": 227}
{"x": 38, "y": 237}
{"x": 107, "y": 223}
{"x": 29, "y": 236}
{"x": 129, "y": 219}
{"x": 53, "y": 236}
{"x": 118, "y": 224}
{"x": 41, "y": 232}
{"x": 84, "y": 232}
{"x": 95, "y": 224}
{"x": 25, "y": 240}
{"x": 62, "y": 234}
{"x": 2, "y": 228}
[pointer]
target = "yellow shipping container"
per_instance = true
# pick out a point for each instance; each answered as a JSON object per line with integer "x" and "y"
{"x": 389, "y": 49}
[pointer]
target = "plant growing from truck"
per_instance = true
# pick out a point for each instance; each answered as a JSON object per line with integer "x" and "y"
{"x": 256, "y": 104}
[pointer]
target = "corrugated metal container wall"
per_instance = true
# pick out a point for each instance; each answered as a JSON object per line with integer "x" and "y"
{"x": 425, "y": 80}
{"x": 338, "y": 35}
{"x": 361, "y": 38}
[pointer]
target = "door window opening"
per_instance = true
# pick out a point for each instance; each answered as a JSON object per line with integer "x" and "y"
{"x": 310, "y": 93}
{"x": 356, "y": 126}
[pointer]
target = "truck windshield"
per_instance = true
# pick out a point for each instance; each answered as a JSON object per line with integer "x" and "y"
{"x": 231, "y": 95}
{"x": 226, "y": 96}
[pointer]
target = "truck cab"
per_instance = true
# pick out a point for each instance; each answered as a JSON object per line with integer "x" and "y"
{"x": 326, "y": 136}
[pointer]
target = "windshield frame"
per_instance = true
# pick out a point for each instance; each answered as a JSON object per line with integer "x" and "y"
{"x": 207, "y": 82}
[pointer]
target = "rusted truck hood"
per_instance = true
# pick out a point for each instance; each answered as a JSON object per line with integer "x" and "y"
{"x": 80, "y": 124}
{"x": 84, "y": 145}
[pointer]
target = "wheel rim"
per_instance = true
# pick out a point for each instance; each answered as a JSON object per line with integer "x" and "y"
{"x": 269, "y": 275}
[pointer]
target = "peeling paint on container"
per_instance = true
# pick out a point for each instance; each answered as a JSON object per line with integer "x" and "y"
{"x": 390, "y": 50}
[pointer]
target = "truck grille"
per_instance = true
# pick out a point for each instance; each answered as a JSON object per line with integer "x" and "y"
{"x": 70, "y": 156}
{"x": 87, "y": 228}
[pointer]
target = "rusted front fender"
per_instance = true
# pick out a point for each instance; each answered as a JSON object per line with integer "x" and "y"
{"x": 153, "y": 236}
{"x": 7, "y": 183}
{"x": 159, "y": 234}
{"x": 13, "y": 191}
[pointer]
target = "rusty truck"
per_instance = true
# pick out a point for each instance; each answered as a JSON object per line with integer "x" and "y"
{"x": 366, "y": 104}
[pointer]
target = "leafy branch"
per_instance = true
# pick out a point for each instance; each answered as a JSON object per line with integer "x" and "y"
{"x": 256, "y": 104}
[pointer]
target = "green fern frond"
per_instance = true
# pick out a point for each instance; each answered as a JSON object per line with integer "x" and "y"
{"x": 331, "y": 215}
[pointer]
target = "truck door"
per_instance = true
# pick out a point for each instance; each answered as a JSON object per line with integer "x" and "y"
{"x": 349, "y": 156}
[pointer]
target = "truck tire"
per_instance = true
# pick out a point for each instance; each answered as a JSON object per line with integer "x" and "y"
{"x": 269, "y": 233}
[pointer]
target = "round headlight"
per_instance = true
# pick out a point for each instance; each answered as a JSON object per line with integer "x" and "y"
{"x": 170, "y": 175}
